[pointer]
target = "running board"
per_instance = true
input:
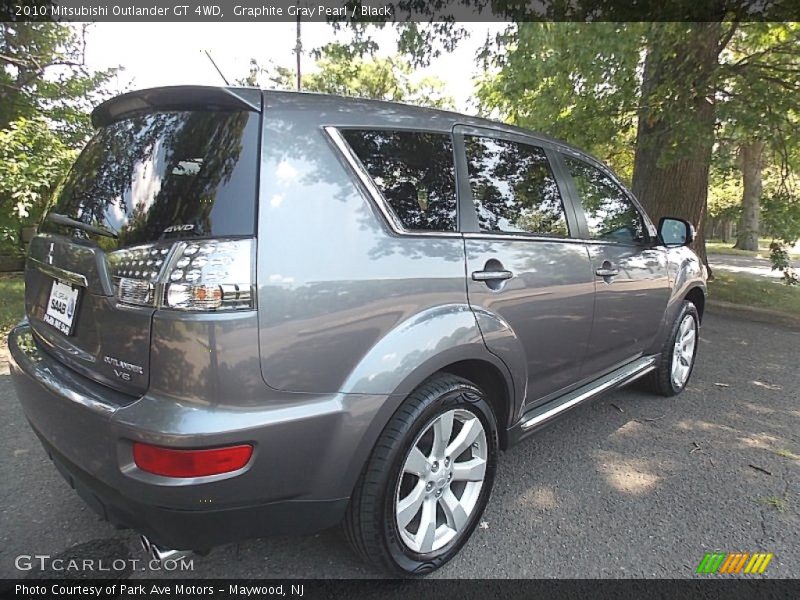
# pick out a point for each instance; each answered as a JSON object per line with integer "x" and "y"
{"x": 614, "y": 379}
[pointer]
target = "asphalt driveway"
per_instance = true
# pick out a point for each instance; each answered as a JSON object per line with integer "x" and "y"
{"x": 628, "y": 486}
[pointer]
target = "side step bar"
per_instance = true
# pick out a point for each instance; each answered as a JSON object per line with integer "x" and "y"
{"x": 624, "y": 374}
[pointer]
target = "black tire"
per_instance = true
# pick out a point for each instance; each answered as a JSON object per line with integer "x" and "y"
{"x": 370, "y": 525}
{"x": 660, "y": 380}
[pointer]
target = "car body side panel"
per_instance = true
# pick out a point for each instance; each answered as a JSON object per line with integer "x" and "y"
{"x": 547, "y": 306}
{"x": 685, "y": 272}
{"x": 206, "y": 359}
{"x": 628, "y": 306}
{"x": 421, "y": 339}
{"x": 333, "y": 279}
{"x": 428, "y": 360}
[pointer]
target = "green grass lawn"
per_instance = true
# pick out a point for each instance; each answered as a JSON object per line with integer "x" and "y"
{"x": 758, "y": 292}
{"x": 720, "y": 247}
{"x": 12, "y": 307}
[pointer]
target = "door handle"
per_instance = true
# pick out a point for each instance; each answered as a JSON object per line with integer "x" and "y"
{"x": 607, "y": 270}
{"x": 491, "y": 275}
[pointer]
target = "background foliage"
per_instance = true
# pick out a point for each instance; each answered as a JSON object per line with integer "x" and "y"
{"x": 46, "y": 96}
{"x": 344, "y": 70}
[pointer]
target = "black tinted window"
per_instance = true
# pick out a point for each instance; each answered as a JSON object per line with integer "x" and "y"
{"x": 192, "y": 171}
{"x": 610, "y": 215}
{"x": 513, "y": 188}
{"x": 415, "y": 173}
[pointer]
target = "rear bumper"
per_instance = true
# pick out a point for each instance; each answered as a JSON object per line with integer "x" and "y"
{"x": 199, "y": 529}
{"x": 308, "y": 452}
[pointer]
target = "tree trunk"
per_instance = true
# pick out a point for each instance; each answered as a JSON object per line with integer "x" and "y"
{"x": 727, "y": 230}
{"x": 750, "y": 160}
{"x": 675, "y": 133}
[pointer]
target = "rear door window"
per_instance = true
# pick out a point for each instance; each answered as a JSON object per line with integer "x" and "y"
{"x": 166, "y": 174}
{"x": 415, "y": 173}
{"x": 513, "y": 188}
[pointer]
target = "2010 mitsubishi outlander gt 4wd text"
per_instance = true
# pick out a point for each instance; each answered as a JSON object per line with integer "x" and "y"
{"x": 253, "y": 312}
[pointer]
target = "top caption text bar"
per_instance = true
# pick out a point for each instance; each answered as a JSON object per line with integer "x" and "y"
{"x": 399, "y": 11}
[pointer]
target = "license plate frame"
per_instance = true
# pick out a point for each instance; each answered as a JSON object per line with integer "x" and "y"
{"x": 62, "y": 307}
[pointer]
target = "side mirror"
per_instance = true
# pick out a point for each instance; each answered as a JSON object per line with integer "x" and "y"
{"x": 675, "y": 232}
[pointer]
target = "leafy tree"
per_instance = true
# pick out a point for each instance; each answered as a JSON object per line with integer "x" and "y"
{"x": 676, "y": 119}
{"x": 419, "y": 41}
{"x": 43, "y": 72}
{"x": 669, "y": 84}
{"x": 46, "y": 94}
{"x": 575, "y": 81}
{"x": 724, "y": 201}
{"x": 760, "y": 77}
{"x": 751, "y": 157}
{"x": 604, "y": 85}
{"x": 782, "y": 219}
{"x": 342, "y": 70}
{"x": 33, "y": 160}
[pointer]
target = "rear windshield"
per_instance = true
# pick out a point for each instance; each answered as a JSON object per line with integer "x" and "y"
{"x": 163, "y": 175}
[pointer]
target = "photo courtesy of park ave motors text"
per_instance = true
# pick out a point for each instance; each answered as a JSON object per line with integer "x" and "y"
{"x": 441, "y": 291}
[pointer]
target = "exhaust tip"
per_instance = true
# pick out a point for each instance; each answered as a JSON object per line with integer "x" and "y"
{"x": 159, "y": 554}
{"x": 146, "y": 545}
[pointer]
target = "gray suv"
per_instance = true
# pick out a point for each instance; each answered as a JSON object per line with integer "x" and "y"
{"x": 255, "y": 312}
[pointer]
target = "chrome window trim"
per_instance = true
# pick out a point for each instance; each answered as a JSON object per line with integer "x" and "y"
{"x": 520, "y": 237}
{"x": 59, "y": 273}
{"x": 347, "y": 153}
{"x": 596, "y": 242}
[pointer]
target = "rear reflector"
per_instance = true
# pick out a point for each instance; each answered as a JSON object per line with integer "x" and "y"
{"x": 170, "y": 462}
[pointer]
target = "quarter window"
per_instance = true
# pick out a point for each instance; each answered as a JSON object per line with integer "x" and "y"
{"x": 513, "y": 188}
{"x": 415, "y": 173}
{"x": 610, "y": 214}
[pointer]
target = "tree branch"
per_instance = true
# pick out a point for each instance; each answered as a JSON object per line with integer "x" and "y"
{"x": 14, "y": 61}
{"x": 727, "y": 37}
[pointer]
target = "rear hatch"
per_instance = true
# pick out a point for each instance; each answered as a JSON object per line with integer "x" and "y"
{"x": 165, "y": 165}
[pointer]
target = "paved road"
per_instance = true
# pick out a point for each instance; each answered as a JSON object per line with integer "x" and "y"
{"x": 749, "y": 265}
{"x": 628, "y": 486}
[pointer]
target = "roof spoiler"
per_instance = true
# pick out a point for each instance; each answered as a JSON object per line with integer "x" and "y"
{"x": 179, "y": 97}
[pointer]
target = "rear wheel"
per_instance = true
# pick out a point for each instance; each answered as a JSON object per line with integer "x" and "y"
{"x": 675, "y": 365}
{"x": 427, "y": 481}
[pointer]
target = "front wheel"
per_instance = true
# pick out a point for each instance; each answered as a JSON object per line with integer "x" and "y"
{"x": 675, "y": 365}
{"x": 427, "y": 481}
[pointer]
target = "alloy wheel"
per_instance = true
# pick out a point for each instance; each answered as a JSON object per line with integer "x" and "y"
{"x": 441, "y": 481}
{"x": 683, "y": 351}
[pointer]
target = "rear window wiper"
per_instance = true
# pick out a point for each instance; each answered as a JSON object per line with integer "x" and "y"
{"x": 65, "y": 220}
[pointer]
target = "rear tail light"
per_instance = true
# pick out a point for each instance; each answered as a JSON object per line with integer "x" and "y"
{"x": 206, "y": 275}
{"x": 171, "y": 462}
{"x": 135, "y": 272}
{"x": 211, "y": 275}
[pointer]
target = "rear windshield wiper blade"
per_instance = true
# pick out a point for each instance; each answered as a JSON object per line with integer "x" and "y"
{"x": 65, "y": 220}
